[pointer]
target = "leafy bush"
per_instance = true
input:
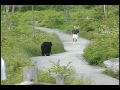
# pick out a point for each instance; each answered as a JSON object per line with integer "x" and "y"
{"x": 66, "y": 70}
{"x": 101, "y": 49}
{"x": 19, "y": 45}
{"x": 105, "y": 45}
{"x": 58, "y": 69}
{"x": 46, "y": 77}
{"x": 72, "y": 80}
{"x": 111, "y": 73}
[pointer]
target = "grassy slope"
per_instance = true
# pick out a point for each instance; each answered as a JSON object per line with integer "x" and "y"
{"x": 104, "y": 37}
{"x": 21, "y": 43}
{"x": 24, "y": 43}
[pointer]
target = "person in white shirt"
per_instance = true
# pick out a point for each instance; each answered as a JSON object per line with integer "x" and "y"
{"x": 75, "y": 32}
{"x": 3, "y": 70}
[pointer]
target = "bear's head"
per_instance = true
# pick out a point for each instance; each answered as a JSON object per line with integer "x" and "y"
{"x": 50, "y": 43}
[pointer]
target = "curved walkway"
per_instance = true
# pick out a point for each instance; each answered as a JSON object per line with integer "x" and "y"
{"x": 73, "y": 54}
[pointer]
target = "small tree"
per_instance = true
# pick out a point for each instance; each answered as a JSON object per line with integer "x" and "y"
{"x": 61, "y": 70}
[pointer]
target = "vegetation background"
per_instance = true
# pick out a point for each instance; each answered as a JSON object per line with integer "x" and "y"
{"x": 20, "y": 41}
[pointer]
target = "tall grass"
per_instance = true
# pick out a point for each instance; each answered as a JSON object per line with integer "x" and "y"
{"x": 111, "y": 73}
{"x": 19, "y": 45}
{"x": 104, "y": 45}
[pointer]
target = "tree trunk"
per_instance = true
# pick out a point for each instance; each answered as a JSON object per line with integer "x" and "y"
{"x": 66, "y": 13}
{"x": 7, "y": 9}
{"x": 105, "y": 9}
{"x": 7, "y": 17}
{"x": 33, "y": 17}
{"x": 19, "y": 7}
{"x": 13, "y": 8}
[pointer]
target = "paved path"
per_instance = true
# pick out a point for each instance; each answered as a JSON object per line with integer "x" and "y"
{"x": 74, "y": 54}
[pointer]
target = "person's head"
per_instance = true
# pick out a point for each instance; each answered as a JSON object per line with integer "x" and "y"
{"x": 75, "y": 27}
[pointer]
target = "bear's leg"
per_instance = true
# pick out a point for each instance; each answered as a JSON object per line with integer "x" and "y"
{"x": 43, "y": 53}
{"x": 47, "y": 54}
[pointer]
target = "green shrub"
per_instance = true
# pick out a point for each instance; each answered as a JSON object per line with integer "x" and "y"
{"x": 66, "y": 70}
{"x": 100, "y": 50}
{"x": 19, "y": 45}
{"x": 72, "y": 80}
{"x": 46, "y": 77}
{"x": 61, "y": 69}
{"x": 111, "y": 73}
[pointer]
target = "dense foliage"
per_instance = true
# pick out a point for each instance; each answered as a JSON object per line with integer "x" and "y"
{"x": 19, "y": 42}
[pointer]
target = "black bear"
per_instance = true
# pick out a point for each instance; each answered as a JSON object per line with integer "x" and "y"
{"x": 46, "y": 48}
